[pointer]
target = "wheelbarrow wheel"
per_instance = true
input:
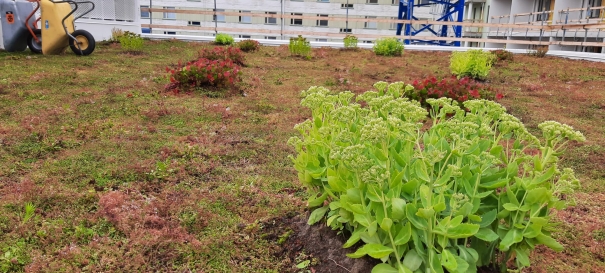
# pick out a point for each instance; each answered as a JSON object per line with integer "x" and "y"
{"x": 85, "y": 40}
{"x": 35, "y": 47}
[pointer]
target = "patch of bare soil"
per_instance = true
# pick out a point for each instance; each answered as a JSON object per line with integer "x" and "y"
{"x": 318, "y": 244}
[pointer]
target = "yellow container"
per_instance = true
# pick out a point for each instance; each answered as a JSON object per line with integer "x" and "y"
{"x": 54, "y": 39}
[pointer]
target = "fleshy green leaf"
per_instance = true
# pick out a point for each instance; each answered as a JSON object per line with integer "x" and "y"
{"x": 522, "y": 257}
{"x": 537, "y": 196}
{"x": 420, "y": 170}
{"x": 398, "y": 208}
{"x": 357, "y": 254}
{"x": 386, "y": 224}
{"x": 354, "y": 237}
{"x": 418, "y": 222}
{"x": 513, "y": 236}
{"x": 403, "y": 236}
{"x": 462, "y": 231}
{"x": 549, "y": 242}
{"x": 488, "y": 218}
{"x": 317, "y": 201}
{"x": 486, "y": 234}
{"x": 317, "y": 215}
{"x": 448, "y": 261}
{"x": 412, "y": 260}
{"x": 510, "y": 207}
{"x": 384, "y": 268}
{"x": 377, "y": 251}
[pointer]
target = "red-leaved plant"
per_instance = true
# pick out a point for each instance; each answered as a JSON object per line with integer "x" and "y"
{"x": 223, "y": 53}
{"x": 203, "y": 72}
{"x": 460, "y": 90}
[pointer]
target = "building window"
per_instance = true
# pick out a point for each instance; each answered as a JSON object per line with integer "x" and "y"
{"x": 245, "y": 19}
{"x": 169, "y": 15}
{"x": 371, "y": 25}
{"x": 595, "y": 13}
{"x": 393, "y": 25}
{"x": 321, "y": 40}
{"x": 345, "y": 30}
{"x": 194, "y": 23}
{"x": 367, "y": 42}
{"x": 322, "y": 23}
{"x": 217, "y": 17}
{"x": 324, "y": 1}
{"x": 271, "y": 20}
{"x": 145, "y": 14}
{"x": 371, "y": 1}
{"x": 543, "y": 5}
{"x": 245, "y": 36}
{"x": 170, "y": 32}
{"x": 423, "y": 2}
{"x": 346, "y": 6}
{"x": 270, "y": 38}
{"x": 297, "y": 22}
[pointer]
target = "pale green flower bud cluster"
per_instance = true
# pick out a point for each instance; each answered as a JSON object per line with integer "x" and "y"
{"x": 344, "y": 98}
{"x": 396, "y": 89}
{"x": 367, "y": 96}
{"x": 381, "y": 86}
{"x": 446, "y": 105}
{"x": 457, "y": 201}
{"x": 354, "y": 157}
{"x": 567, "y": 182}
{"x": 375, "y": 130}
{"x": 345, "y": 136}
{"x": 456, "y": 172}
{"x": 304, "y": 126}
{"x": 407, "y": 110}
{"x": 375, "y": 174}
{"x": 377, "y": 103}
{"x": 296, "y": 142}
{"x": 553, "y": 129}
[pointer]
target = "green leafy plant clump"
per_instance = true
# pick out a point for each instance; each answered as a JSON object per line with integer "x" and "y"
{"x": 350, "y": 42}
{"x": 474, "y": 63}
{"x": 131, "y": 42}
{"x": 248, "y": 45}
{"x": 388, "y": 47}
{"x": 473, "y": 189}
{"x": 223, "y": 39}
{"x": 503, "y": 55}
{"x": 299, "y": 46}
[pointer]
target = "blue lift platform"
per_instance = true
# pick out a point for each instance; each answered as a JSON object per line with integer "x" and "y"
{"x": 451, "y": 10}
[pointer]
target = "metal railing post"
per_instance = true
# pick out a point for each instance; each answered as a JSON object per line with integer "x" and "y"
{"x": 215, "y": 19}
{"x": 150, "y": 16}
{"x": 542, "y": 27}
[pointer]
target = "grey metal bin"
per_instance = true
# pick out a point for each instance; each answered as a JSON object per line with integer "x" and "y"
{"x": 12, "y": 18}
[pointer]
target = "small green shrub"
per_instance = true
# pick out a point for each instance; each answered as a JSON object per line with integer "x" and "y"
{"x": 350, "y": 42}
{"x": 502, "y": 55}
{"x": 539, "y": 52}
{"x": 248, "y": 45}
{"x": 445, "y": 190}
{"x": 474, "y": 63}
{"x": 388, "y": 47}
{"x": 131, "y": 42}
{"x": 224, "y": 39}
{"x": 299, "y": 46}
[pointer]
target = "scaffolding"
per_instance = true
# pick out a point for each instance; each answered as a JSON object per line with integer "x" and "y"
{"x": 445, "y": 10}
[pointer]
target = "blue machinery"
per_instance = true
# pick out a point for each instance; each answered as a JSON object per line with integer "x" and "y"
{"x": 452, "y": 10}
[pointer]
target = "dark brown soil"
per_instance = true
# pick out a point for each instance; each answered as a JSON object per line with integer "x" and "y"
{"x": 319, "y": 244}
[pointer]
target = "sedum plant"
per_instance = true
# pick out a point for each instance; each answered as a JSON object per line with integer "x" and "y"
{"x": 299, "y": 46}
{"x": 388, "y": 47}
{"x": 223, "y": 39}
{"x": 350, "y": 42}
{"x": 473, "y": 189}
{"x": 474, "y": 63}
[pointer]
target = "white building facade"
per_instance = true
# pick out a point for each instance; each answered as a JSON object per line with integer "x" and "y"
{"x": 249, "y": 16}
